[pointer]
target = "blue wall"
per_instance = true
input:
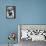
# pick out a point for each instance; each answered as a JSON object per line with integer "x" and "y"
{"x": 27, "y": 12}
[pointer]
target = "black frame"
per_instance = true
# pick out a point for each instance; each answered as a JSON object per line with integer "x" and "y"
{"x": 14, "y": 8}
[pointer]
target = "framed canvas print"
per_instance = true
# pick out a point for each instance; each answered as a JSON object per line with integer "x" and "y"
{"x": 11, "y": 12}
{"x": 28, "y": 34}
{"x": 32, "y": 32}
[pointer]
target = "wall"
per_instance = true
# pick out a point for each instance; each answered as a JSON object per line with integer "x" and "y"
{"x": 27, "y": 12}
{"x": 31, "y": 11}
{"x": 6, "y": 25}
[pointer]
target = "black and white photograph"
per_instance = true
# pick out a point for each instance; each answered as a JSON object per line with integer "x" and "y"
{"x": 11, "y": 12}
